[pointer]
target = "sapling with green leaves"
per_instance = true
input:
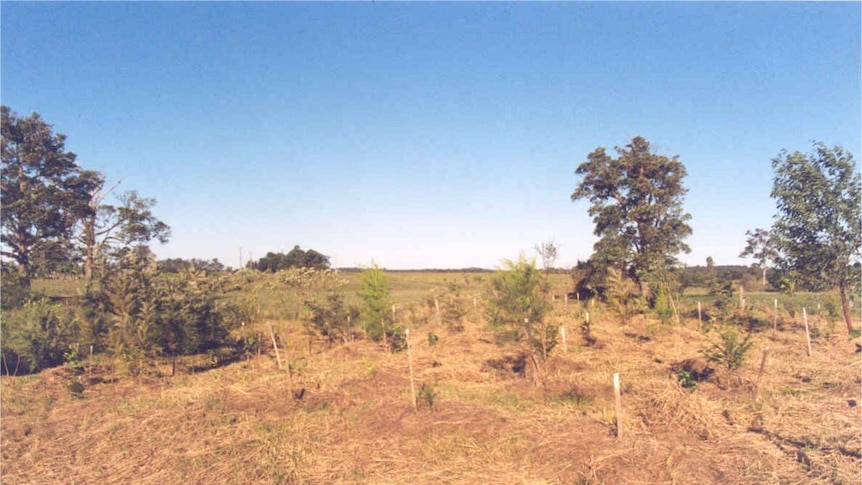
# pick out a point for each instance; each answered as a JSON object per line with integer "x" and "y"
{"x": 516, "y": 304}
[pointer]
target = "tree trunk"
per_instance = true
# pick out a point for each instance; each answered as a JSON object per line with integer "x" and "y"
{"x": 763, "y": 272}
{"x": 845, "y": 307}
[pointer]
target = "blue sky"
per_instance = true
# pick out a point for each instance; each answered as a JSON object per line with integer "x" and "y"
{"x": 431, "y": 134}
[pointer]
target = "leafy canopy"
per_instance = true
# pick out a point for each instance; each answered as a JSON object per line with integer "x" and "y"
{"x": 636, "y": 205}
{"x": 818, "y": 227}
{"x": 43, "y": 192}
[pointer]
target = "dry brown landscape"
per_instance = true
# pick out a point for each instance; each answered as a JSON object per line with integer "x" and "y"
{"x": 344, "y": 414}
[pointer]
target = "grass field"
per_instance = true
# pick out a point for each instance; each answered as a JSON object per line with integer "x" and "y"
{"x": 345, "y": 414}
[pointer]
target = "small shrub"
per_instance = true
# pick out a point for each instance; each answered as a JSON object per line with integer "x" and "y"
{"x": 432, "y": 339}
{"x": 427, "y": 394}
{"x": 623, "y": 296}
{"x": 686, "y": 380}
{"x": 729, "y": 351}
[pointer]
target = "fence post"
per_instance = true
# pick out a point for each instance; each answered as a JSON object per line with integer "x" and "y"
{"x": 762, "y": 369}
{"x": 807, "y": 333}
{"x": 619, "y": 405}
{"x": 275, "y": 346}
{"x": 775, "y": 315}
{"x": 699, "y": 316}
{"x": 410, "y": 367}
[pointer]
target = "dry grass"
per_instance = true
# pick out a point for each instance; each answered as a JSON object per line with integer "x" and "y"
{"x": 479, "y": 422}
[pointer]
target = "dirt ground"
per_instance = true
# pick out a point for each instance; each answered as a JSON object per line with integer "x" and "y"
{"x": 345, "y": 414}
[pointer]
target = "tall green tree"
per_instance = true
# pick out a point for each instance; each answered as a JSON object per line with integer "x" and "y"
{"x": 636, "y": 204}
{"x": 818, "y": 226}
{"x": 107, "y": 228}
{"x": 761, "y": 246}
{"x": 43, "y": 192}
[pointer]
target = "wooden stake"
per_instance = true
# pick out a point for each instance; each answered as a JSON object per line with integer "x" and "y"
{"x": 762, "y": 369}
{"x": 89, "y": 369}
{"x": 699, "y": 315}
{"x": 807, "y": 333}
{"x": 393, "y": 313}
{"x": 619, "y": 405}
{"x": 474, "y": 302}
{"x": 775, "y": 314}
{"x": 437, "y": 306}
{"x": 565, "y": 344}
{"x": 275, "y": 346}
{"x": 410, "y": 367}
{"x": 287, "y": 363}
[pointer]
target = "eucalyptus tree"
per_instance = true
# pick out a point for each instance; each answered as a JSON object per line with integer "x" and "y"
{"x": 760, "y": 244}
{"x": 818, "y": 227}
{"x": 107, "y": 228}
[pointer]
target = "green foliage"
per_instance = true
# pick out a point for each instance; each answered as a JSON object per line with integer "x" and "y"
{"x": 176, "y": 265}
{"x": 517, "y": 303}
{"x": 303, "y": 285}
{"x": 761, "y": 245}
{"x": 818, "y": 228}
{"x": 13, "y": 290}
{"x": 432, "y": 339}
{"x": 43, "y": 193}
{"x": 376, "y": 311}
{"x": 623, "y": 295}
{"x": 729, "y": 351}
{"x": 148, "y": 313}
{"x": 107, "y": 230}
{"x": 333, "y": 319}
{"x": 636, "y": 205}
{"x": 72, "y": 357}
{"x": 427, "y": 394}
{"x": 686, "y": 380}
{"x": 40, "y": 333}
{"x": 665, "y": 290}
{"x": 723, "y": 304}
{"x": 454, "y": 307}
{"x": 296, "y": 258}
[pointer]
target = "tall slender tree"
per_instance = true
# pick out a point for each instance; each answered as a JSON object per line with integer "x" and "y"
{"x": 760, "y": 245}
{"x": 818, "y": 226}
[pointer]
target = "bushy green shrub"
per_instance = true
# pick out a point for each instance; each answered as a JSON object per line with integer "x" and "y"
{"x": 516, "y": 304}
{"x": 148, "y": 313}
{"x": 332, "y": 318}
{"x": 39, "y": 334}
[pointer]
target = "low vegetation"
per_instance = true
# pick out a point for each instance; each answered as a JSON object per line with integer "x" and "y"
{"x": 340, "y": 411}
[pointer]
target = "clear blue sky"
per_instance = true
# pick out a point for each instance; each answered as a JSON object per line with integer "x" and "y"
{"x": 431, "y": 134}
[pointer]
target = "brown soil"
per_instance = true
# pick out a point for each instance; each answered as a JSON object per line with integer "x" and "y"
{"x": 345, "y": 414}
